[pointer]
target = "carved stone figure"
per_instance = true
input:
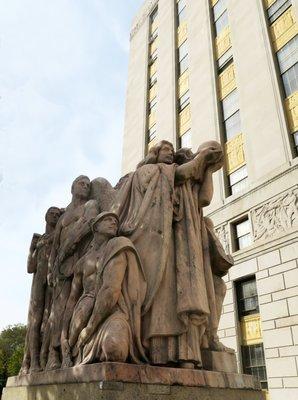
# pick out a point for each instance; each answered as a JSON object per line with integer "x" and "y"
{"x": 72, "y": 237}
{"x": 134, "y": 272}
{"x": 108, "y": 289}
{"x": 160, "y": 207}
{"x": 40, "y": 300}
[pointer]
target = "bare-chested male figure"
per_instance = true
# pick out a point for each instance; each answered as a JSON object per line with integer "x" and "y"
{"x": 40, "y": 300}
{"x": 72, "y": 237}
{"x": 107, "y": 292}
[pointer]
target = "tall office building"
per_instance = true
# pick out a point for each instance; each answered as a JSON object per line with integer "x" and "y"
{"x": 227, "y": 70}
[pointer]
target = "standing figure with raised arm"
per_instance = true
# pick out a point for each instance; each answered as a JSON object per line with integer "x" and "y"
{"x": 40, "y": 300}
{"x": 160, "y": 210}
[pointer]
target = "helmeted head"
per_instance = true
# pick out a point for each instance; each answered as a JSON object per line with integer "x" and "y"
{"x": 162, "y": 152}
{"x": 81, "y": 187}
{"x": 52, "y": 215}
{"x": 106, "y": 223}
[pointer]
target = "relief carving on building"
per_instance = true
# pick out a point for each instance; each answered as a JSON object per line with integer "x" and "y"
{"x": 277, "y": 216}
{"x": 223, "y": 236}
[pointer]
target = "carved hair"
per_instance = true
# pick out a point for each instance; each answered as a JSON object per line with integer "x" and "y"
{"x": 153, "y": 153}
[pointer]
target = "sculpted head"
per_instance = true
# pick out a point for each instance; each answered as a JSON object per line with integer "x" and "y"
{"x": 105, "y": 224}
{"x": 52, "y": 216}
{"x": 81, "y": 187}
{"x": 162, "y": 152}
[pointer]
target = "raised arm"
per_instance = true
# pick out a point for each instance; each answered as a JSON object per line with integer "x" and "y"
{"x": 82, "y": 228}
{"x": 106, "y": 297}
{"x": 195, "y": 169}
{"x": 54, "y": 252}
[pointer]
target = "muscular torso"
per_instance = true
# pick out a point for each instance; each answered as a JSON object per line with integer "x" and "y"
{"x": 71, "y": 220}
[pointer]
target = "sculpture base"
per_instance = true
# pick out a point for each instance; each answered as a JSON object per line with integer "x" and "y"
{"x": 219, "y": 361}
{"x": 110, "y": 381}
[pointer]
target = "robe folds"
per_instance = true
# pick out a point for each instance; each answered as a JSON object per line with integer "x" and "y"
{"x": 166, "y": 225}
{"x": 127, "y": 311}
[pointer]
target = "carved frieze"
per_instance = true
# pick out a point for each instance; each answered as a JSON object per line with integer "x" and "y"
{"x": 277, "y": 216}
{"x": 223, "y": 236}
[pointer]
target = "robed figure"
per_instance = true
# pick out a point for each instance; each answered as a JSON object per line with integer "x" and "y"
{"x": 160, "y": 210}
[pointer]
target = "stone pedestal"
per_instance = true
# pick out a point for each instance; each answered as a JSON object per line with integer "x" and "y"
{"x": 111, "y": 381}
{"x": 219, "y": 361}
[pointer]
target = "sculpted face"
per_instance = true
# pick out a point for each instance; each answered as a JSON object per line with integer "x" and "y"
{"x": 107, "y": 226}
{"x": 166, "y": 154}
{"x": 52, "y": 216}
{"x": 81, "y": 188}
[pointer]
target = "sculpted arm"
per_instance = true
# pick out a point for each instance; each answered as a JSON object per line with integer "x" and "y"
{"x": 76, "y": 290}
{"x": 193, "y": 169}
{"x": 54, "y": 252}
{"x": 107, "y": 295}
{"x": 81, "y": 230}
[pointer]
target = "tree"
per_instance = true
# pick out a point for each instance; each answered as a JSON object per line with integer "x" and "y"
{"x": 12, "y": 342}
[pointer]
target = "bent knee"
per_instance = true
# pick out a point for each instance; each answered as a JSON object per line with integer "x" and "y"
{"x": 115, "y": 350}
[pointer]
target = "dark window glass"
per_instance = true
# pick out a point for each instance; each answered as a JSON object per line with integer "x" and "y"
{"x": 152, "y": 133}
{"x": 238, "y": 180}
{"x": 183, "y": 65}
{"x": 221, "y": 23}
{"x": 295, "y": 136}
{"x": 183, "y": 51}
{"x": 219, "y": 9}
{"x": 253, "y": 360}
{"x": 290, "y": 80}
{"x": 277, "y": 9}
{"x": 185, "y": 140}
{"x": 247, "y": 297}
{"x": 232, "y": 126}
{"x": 184, "y": 101}
{"x": 153, "y": 15}
{"x": 225, "y": 60}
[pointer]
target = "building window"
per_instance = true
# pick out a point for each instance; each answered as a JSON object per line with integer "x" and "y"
{"x": 295, "y": 135}
{"x": 151, "y": 133}
{"x": 184, "y": 101}
{"x": 238, "y": 180}
{"x": 242, "y": 233}
{"x": 185, "y": 140}
{"x": 277, "y": 9}
{"x": 181, "y": 11}
{"x": 288, "y": 64}
{"x": 247, "y": 297}
{"x": 183, "y": 58}
{"x": 253, "y": 361}
{"x": 225, "y": 60}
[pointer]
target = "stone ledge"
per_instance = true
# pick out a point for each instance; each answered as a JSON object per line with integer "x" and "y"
{"x": 144, "y": 374}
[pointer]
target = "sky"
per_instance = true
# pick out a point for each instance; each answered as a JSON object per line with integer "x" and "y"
{"x": 63, "y": 73}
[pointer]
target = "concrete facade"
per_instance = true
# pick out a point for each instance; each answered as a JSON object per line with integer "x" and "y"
{"x": 270, "y": 198}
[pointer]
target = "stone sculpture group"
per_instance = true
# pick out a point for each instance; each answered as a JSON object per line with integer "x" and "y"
{"x": 131, "y": 273}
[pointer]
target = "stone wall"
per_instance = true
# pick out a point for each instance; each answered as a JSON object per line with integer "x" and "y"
{"x": 276, "y": 274}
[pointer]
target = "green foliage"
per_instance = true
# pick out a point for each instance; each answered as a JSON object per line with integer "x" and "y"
{"x": 12, "y": 342}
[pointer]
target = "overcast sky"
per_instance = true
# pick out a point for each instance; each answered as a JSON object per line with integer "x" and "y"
{"x": 63, "y": 72}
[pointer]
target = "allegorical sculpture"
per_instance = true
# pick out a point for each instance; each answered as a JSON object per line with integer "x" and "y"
{"x": 135, "y": 271}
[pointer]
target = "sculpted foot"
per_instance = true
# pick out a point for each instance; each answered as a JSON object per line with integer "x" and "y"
{"x": 53, "y": 361}
{"x": 216, "y": 345}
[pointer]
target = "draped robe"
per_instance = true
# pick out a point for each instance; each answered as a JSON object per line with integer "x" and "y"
{"x": 165, "y": 223}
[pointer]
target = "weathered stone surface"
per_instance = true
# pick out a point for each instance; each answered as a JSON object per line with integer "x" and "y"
{"x": 126, "y": 381}
{"x": 136, "y": 271}
{"x": 130, "y": 373}
{"x": 130, "y": 391}
{"x": 219, "y": 361}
